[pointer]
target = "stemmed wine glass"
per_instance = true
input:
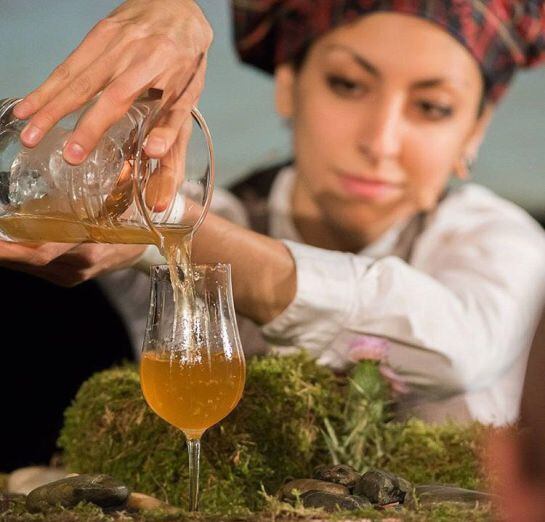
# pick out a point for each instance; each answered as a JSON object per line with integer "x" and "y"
{"x": 193, "y": 369}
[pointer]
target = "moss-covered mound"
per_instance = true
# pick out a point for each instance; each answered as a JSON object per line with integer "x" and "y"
{"x": 274, "y": 432}
{"x": 293, "y": 416}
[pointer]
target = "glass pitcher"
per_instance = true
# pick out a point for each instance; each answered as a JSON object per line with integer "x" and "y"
{"x": 117, "y": 195}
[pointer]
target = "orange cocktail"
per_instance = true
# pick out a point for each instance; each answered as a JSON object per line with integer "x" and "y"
{"x": 192, "y": 395}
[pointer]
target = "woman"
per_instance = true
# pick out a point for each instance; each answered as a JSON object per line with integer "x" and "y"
{"x": 366, "y": 251}
{"x": 386, "y": 100}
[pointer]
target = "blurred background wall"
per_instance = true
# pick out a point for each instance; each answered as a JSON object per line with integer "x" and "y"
{"x": 237, "y": 102}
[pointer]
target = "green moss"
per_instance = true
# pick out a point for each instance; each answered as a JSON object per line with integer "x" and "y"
{"x": 450, "y": 512}
{"x": 427, "y": 454}
{"x": 16, "y": 512}
{"x": 293, "y": 416}
{"x": 446, "y": 512}
{"x": 88, "y": 513}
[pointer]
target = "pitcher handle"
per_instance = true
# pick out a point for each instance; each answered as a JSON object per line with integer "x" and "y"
{"x": 141, "y": 177}
{"x": 201, "y": 122}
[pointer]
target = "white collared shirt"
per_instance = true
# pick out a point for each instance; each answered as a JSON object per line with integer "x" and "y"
{"x": 460, "y": 313}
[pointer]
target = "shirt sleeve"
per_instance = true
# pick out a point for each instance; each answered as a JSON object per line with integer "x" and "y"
{"x": 457, "y": 318}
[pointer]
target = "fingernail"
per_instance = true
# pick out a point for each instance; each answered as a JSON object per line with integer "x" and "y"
{"x": 31, "y": 135}
{"x": 22, "y": 109}
{"x": 155, "y": 145}
{"x": 74, "y": 152}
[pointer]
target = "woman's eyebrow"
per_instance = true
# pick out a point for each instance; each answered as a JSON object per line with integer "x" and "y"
{"x": 373, "y": 70}
{"x": 437, "y": 82}
{"x": 433, "y": 82}
{"x": 360, "y": 60}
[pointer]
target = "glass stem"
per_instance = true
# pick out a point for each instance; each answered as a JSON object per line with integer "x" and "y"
{"x": 194, "y": 450}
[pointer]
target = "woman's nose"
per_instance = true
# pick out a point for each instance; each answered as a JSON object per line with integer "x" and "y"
{"x": 381, "y": 130}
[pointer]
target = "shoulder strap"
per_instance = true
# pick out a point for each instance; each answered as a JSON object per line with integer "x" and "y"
{"x": 253, "y": 192}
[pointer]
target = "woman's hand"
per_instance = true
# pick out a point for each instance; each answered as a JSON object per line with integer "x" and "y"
{"x": 142, "y": 44}
{"x": 67, "y": 264}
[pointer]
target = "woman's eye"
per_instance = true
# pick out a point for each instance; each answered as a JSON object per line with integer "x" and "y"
{"x": 434, "y": 111}
{"x": 345, "y": 86}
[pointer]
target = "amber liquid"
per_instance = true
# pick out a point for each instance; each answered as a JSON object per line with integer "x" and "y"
{"x": 192, "y": 395}
{"x": 57, "y": 229}
{"x": 63, "y": 228}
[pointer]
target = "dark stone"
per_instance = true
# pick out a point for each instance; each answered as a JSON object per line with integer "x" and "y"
{"x": 330, "y": 502}
{"x": 382, "y": 488}
{"x": 285, "y": 493}
{"x": 339, "y": 474}
{"x": 406, "y": 487}
{"x": 102, "y": 490}
{"x": 364, "y": 502}
{"x": 435, "y": 493}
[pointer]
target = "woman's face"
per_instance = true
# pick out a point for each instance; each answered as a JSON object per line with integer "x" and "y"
{"x": 383, "y": 111}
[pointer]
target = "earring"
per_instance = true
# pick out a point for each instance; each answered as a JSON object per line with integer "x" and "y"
{"x": 463, "y": 170}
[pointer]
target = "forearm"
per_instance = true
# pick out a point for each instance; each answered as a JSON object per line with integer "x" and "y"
{"x": 263, "y": 270}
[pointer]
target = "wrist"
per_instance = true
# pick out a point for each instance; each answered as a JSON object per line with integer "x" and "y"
{"x": 279, "y": 284}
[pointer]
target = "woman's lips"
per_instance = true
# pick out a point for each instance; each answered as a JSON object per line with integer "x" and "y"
{"x": 367, "y": 188}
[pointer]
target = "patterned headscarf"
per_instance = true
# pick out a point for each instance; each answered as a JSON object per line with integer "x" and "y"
{"x": 502, "y": 35}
